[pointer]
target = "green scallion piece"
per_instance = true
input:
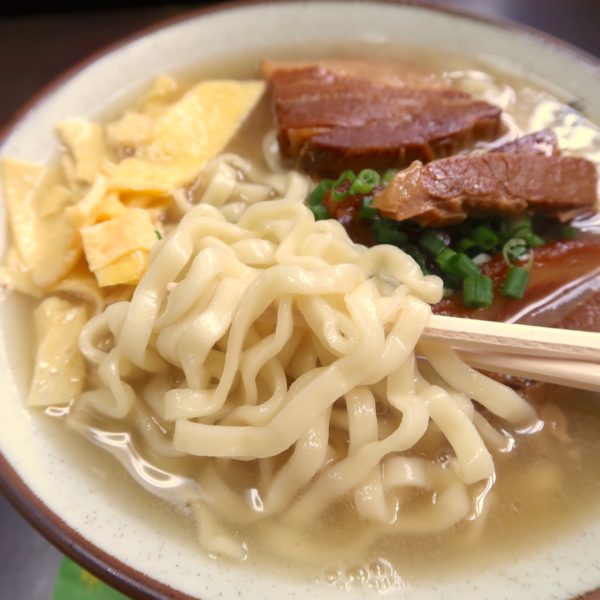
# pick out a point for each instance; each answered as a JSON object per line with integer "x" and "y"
{"x": 478, "y": 291}
{"x": 515, "y": 283}
{"x": 396, "y": 238}
{"x": 485, "y": 237}
{"x": 461, "y": 266}
{"x": 513, "y": 250}
{"x": 443, "y": 260}
{"x": 338, "y": 195}
{"x": 567, "y": 232}
{"x": 385, "y": 232}
{"x": 389, "y": 175}
{"x": 369, "y": 175}
{"x": 360, "y": 187}
{"x": 321, "y": 213}
{"x": 317, "y": 195}
{"x": 431, "y": 243}
{"x": 368, "y": 212}
{"x": 365, "y": 182}
{"x": 516, "y": 250}
{"x": 342, "y": 185}
{"x": 465, "y": 244}
{"x": 158, "y": 234}
{"x": 515, "y": 227}
{"x": 533, "y": 239}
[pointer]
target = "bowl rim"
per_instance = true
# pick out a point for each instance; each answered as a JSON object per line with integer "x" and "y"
{"x": 130, "y": 581}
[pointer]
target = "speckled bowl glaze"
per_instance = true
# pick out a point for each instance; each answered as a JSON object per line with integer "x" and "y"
{"x": 71, "y": 492}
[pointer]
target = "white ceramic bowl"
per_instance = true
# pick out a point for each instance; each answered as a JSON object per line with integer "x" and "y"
{"x": 96, "y": 514}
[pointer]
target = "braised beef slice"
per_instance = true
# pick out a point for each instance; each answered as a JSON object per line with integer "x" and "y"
{"x": 354, "y": 77}
{"x": 316, "y": 87}
{"x": 440, "y": 130}
{"x": 417, "y": 116}
{"x": 388, "y": 73}
{"x": 541, "y": 142}
{"x": 446, "y": 191}
{"x": 338, "y": 115}
{"x": 355, "y": 110}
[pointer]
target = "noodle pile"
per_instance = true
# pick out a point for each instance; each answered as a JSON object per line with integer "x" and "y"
{"x": 278, "y": 345}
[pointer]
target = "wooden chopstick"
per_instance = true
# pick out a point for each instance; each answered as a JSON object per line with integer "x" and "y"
{"x": 511, "y": 338}
{"x": 561, "y": 356}
{"x": 571, "y": 373}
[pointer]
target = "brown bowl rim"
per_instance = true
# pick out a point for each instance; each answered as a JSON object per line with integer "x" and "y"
{"x": 120, "y": 576}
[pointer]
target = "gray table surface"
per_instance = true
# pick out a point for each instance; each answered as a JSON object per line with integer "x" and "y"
{"x": 28, "y": 563}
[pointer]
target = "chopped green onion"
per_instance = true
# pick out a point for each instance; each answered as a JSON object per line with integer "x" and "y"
{"x": 431, "y": 243}
{"x": 567, "y": 232}
{"x": 465, "y": 244}
{"x": 370, "y": 176}
{"x": 515, "y": 283}
{"x": 340, "y": 182}
{"x": 485, "y": 237}
{"x": 516, "y": 226}
{"x": 443, "y": 260}
{"x": 478, "y": 291}
{"x": 345, "y": 175}
{"x": 368, "y": 212}
{"x": 519, "y": 251}
{"x": 158, "y": 234}
{"x": 389, "y": 175}
{"x": 360, "y": 187}
{"x": 390, "y": 236}
{"x": 317, "y": 195}
{"x": 523, "y": 228}
{"x": 321, "y": 213}
{"x": 515, "y": 250}
{"x": 461, "y": 266}
{"x": 533, "y": 239}
{"x": 365, "y": 182}
{"x": 386, "y": 232}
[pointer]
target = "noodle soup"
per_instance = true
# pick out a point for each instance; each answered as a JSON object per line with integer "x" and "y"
{"x": 262, "y": 370}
